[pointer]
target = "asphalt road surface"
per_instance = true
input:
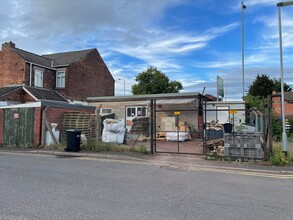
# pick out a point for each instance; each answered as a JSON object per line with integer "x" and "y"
{"x": 49, "y": 187}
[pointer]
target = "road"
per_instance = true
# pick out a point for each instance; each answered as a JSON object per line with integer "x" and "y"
{"x": 49, "y": 187}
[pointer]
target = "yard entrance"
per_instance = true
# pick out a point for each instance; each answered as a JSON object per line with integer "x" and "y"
{"x": 178, "y": 128}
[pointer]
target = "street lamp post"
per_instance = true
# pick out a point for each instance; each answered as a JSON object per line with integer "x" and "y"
{"x": 123, "y": 84}
{"x": 284, "y": 135}
{"x": 243, "y": 7}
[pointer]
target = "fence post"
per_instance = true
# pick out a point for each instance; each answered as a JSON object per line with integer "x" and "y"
{"x": 269, "y": 136}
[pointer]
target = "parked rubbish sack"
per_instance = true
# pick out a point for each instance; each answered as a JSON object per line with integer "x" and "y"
{"x": 177, "y": 136}
{"x": 114, "y": 131}
{"x": 73, "y": 140}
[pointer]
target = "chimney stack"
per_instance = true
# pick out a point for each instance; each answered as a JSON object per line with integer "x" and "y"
{"x": 8, "y": 45}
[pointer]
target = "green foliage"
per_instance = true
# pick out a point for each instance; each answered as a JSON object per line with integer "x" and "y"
{"x": 278, "y": 158}
{"x": 100, "y": 147}
{"x": 264, "y": 86}
{"x": 261, "y": 86}
{"x": 110, "y": 147}
{"x": 253, "y": 102}
{"x": 153, "y": 81}
{"x": 143, "y": 150}
{"x": 277, "y": 86}
{"x": 276, "y": 129}
{"x": 60, "y": 146}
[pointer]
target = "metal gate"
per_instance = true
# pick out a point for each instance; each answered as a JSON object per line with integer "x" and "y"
{"x": 178, "y": 130}
{"x": 18, "y": 127}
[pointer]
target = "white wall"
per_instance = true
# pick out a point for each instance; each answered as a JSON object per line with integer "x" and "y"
{"x": 219, "y": 111}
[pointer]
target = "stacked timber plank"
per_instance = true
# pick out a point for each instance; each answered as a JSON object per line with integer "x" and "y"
{"x": 85, "y": 122}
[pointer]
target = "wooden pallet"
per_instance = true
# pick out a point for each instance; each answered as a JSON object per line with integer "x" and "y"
{"x": 85, "y": 122}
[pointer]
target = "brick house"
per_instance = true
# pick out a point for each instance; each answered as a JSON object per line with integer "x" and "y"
{"x": 76, "y": 74}
{"x": 277, "y": 104}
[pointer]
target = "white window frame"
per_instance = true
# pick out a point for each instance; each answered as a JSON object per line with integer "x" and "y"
{"x": 60, "y": 79}
{"x": 38, "y": 82}
{"x": 103, "y": 111}
{"x": 136, "y": 111}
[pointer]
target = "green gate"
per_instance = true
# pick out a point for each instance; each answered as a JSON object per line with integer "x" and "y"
{"x": 18, "y": 127}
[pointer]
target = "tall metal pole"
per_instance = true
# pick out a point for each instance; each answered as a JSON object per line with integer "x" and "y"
{"x": 152, "y": 127}
{"x": 243, "y": 7}
{"x": 284, "y": 135}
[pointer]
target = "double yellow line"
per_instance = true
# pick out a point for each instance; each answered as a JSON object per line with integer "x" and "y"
{"x": 189, "y": 167}
{"x": 242, "y": 172}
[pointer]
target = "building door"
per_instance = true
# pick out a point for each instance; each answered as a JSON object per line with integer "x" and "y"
{"x": 18, "y": 127}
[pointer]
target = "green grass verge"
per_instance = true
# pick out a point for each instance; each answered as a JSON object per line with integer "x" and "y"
{"x": 110, "y": 147}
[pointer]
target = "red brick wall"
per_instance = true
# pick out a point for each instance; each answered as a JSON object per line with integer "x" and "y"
{"x": 277, "y": 106}
{"x": 55, "y": 115}
{"x": 12, "y": 68}
{"x": 49, "y": 77}
{"x": 89, "y": 77}
{"x": 14, "y": 71}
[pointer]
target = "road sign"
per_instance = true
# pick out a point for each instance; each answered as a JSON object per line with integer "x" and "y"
{"x": 232, "y": 111}
{"x": 176, "y": 113}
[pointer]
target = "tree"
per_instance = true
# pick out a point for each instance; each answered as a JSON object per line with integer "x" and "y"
{"x": 153, "y": 81}
{"x": 263, "y": 86}
{"x": 277, "y": 86}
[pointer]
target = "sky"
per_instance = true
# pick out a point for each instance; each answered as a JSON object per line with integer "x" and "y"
{"x": 191, "y": 41}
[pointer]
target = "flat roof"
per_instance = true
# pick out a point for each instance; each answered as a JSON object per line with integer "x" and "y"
{"x": 144, "y": 97}
{"x": 168, "y": 101}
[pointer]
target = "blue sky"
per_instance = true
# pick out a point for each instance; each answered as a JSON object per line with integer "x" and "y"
{"x": 191, "y": 41}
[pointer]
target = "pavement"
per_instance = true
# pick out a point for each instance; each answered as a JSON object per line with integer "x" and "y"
{"x": 172, "y": 161}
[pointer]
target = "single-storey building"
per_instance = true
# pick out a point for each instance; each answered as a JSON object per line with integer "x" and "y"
{"x": 167, "y": 113}
{"x": 129, "y": 107}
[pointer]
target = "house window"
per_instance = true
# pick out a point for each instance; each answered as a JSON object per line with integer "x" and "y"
{"x": 60, "y": 79}
{"x": 136, "y": 112}
{"x": 141, "y": 111}
{"x": 38, "y": 78}
{"x": 105, "y": 111}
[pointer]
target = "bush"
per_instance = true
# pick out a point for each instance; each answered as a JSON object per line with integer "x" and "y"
{"x": 278, "y": 158}
{"x": 143, "y": 150}
{"x": 277, "y": 129}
